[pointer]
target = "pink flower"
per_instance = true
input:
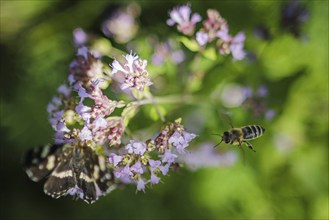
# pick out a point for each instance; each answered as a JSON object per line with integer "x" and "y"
{"x": 181, "y": 141}
{"x": 115, "y": 159}
{"x": 83, "y": 111}
{"x": 99, "y": 123}
{"x": 86, "y": 68}
{"x": 229, "y": 44}
{"x": 237, "y": 46}
{"x": 154, "y": 164}
{"x": 168, "y": 157}
{"x": 182, "y": 16}
{"x": 124, "y": 173}
{"x": 85, "y": 134}
{"x": 137, "y": 168}
{"x": 79, "y": 36}
{"x": 154, "y": 179}
{"x": 141, "y": 185}
{"x": 165, "y": 169}
{"x": 103, "y": 105}
{"x": 63, "y": 89}
{"x": 202, "y": 38}
{"x": 132, "y": 73}
{"x": 62, "y": 127}
{"x": 136, "y": 147}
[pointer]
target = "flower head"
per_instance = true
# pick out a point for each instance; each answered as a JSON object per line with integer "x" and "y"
{"x": 229, "y": 44}
{"x": 182, "y": 16}
{"x": 131, "y": 73}
{"x": 122, "y": 25}
{"x": 85, "y": 68}
{"x": 136, "y": 147}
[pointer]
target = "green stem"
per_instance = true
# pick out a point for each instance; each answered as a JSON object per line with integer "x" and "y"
{"x": 172, "y": 99}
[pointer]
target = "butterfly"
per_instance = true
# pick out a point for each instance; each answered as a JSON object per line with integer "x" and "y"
{"x": 70, "y": 170}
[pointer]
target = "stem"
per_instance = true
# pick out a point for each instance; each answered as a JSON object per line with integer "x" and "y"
{"x": 186, "y": 99}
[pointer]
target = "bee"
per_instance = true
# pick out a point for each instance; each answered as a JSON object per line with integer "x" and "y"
{"x": 239, "y": 136}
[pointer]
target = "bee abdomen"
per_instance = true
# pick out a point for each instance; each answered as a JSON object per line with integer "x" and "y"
{"x": 252, "y": 131}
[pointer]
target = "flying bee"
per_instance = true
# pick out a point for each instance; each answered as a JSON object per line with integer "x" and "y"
{"x": 239, "y": 136}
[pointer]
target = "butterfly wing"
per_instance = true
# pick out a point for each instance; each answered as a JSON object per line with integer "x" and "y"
{"x": 95, "y": 179}
{"x": 40, "y": 162}
{"x": 62, "y": 179}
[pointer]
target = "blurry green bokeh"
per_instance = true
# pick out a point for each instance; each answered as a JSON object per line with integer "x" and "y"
{"x": 286, "y": 179}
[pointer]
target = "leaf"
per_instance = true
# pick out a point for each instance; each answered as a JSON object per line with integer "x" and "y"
{"x": 129, "y": 112}
{"x": 191, "y": 44}
{"x": 210, "y": 53}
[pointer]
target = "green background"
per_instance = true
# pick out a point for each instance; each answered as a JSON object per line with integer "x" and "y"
{"x": 36, "y": 49}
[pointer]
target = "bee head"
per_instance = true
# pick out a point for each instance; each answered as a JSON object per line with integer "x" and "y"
{"x": 226, "y": 137}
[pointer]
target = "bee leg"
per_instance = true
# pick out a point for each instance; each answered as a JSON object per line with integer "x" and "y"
{"x": 243, "y": 153}
{"x": 249, "y": 145}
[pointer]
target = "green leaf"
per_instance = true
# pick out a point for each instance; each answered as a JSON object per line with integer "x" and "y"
{"x": 191, "y": 44}
{"x": 210, "y": 53}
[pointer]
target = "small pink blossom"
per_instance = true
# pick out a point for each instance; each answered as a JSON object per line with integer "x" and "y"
{"x": 154, "y": 164}
{"x": 165, "y": 169}
{"x": 124, "y": 173}
{"x": 202, "y": 38}
{"x": 65, "y": 90}
{"x": 136, "y": 147}
{"x": 141, "y": 185}
{"x": 234, "y": 45}
{"x": 168, "y": 157}
{"x": 79, "y": 36}
{"x": 86, "y": 68}
{"x": 181, "y": 141}
{"x": 85, "y": 134}
{"x": 132, "y": 73}
{"x": 137, "y": 168}
{"x": 103, "y": 105}
{"x": 182, "y": 16}
{"x": 62, "y": 127}
{"x": 99, "y": 123}
{"x": 237, "y": 46}
{"x": 154, "y": 179}
{"x": 83, "y": 111}
{"x": 115, "y": 159}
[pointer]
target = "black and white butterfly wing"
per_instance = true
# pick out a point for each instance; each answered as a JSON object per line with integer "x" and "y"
{"x": 75, "y": 170}
{"x": 95, "y": 178}
{"x": 40, "y": 162}
{"x": 61, "y": 180}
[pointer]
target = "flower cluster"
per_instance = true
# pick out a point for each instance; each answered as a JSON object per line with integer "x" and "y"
{"x": 131, "y": 73}
{"x": 215, "y": 28}
{"x": 256, "y": 102}
{"x": 82, "y": 115}
{"x": 185, "y": 22}
{"x": 76, "y": 122}
{"x": 143, "y": 162}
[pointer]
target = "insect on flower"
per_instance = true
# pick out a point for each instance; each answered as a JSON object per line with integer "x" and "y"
{"x": 71, "y": 170}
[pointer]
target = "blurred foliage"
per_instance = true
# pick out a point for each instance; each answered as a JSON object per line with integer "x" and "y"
{"x": 286, "y": 179}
